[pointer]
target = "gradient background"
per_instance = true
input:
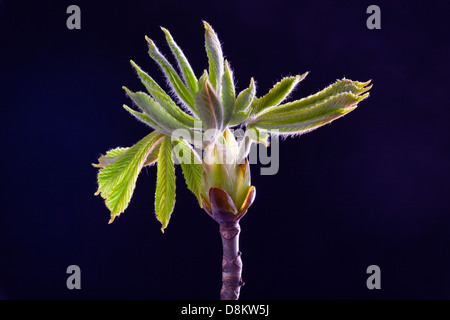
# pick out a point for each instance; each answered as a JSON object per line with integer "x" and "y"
{"x": 371, "y": 188}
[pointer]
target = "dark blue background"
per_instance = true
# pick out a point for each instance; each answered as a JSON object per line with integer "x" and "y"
{"x": 371, "y": 188}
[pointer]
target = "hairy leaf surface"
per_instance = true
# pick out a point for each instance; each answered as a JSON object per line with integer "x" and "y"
{"x": 165, "y": 183}
{"x": 171, "y": 75}
{"x": 209, "y": 106}
{"x": 277, "y": 94}
{"x": 183, "y": 63}
{"x": 228, "y": 94}
{"x": 157, "y": 114}
{"x": 309, "y": 117}
{"x": 340, "y": 86}
{"x": 215, "y": 57}
{"x": 163, "y": 98}
{"x": 116, "y": 180}
{"x": 243, "y": 104}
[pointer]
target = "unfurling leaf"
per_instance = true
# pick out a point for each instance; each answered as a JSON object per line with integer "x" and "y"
{"x": 243, "y": 104}
{"x": 117, "y": 179}
{"x": 228, "y": 94}
{"x": 114, "y": 154}
{"x": 215, "y": 58}
{"x": 307, "y": 117}
{"x": 164, "y": 121}
{"x": 170, "y": 73}
{"x": 208, "y": 104}
{"x": 183, "y": 63}
{"x": 110, "y": 157}
{"x": 165, "y": 183}
{"x": 340, "y": 86}
{"x": 163, "y": 98}
{"x": 277, "y": 94}
{"x": 145, "y": 119}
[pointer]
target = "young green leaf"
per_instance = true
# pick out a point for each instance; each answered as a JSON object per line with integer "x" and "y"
{"x": 228, "y": 94}
{"x": 163, "y": 98}
{"x": 215, "y": 57}
{"x": 277, "y": 94}
{"x": 309, "y": 117}
{"x": 183, "y": 63}
{"x": 245, "y": 97}
{"x": 116, "y": 180}
{"x": 157, "y": 114}
{"x": 146, "y": 119}
{"x": 114, "y": 154}
{"x": 340, "y": 86}
{"x": 165, "y": 183}
{"x": 191, "y": 166}
{"x": 171, "y": 75}
{"x": 243, "y": 104}
{"x": 110, "y": 157}
{"x": 209, "y": 106}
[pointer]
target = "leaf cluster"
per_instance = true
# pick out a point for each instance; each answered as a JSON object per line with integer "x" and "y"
{"x": 209, "y": 105}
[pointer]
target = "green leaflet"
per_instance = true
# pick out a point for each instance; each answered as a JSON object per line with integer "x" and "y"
{"x": 209, "y": 106}
{"x": 215, "y": 58}
{"x": 146, "y": 119}
{"x": 245, "y": 98}
{"x": 243, "y": 104}
{"x": 228, "y": 94}
{"x": 163, "y": 98}
{"x": 340, "y": 86}
{"x": 165, "y": 183}
{"x": 116, "y": 180}
{"x": 114, "y": 154}
{"x": 191, "y": 166}
{"x": 156, "y": 113}
{"x": 308, "y": 117}
{"x": 170, "y": 73}
{"x": 110, "y": 157}
{"x": 277, "y": 94}
{"x": 183, "y": 63}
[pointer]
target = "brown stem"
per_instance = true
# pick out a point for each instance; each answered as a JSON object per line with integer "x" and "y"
{"x": 223, "y": 211}
{"x": 231, "y": 261}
